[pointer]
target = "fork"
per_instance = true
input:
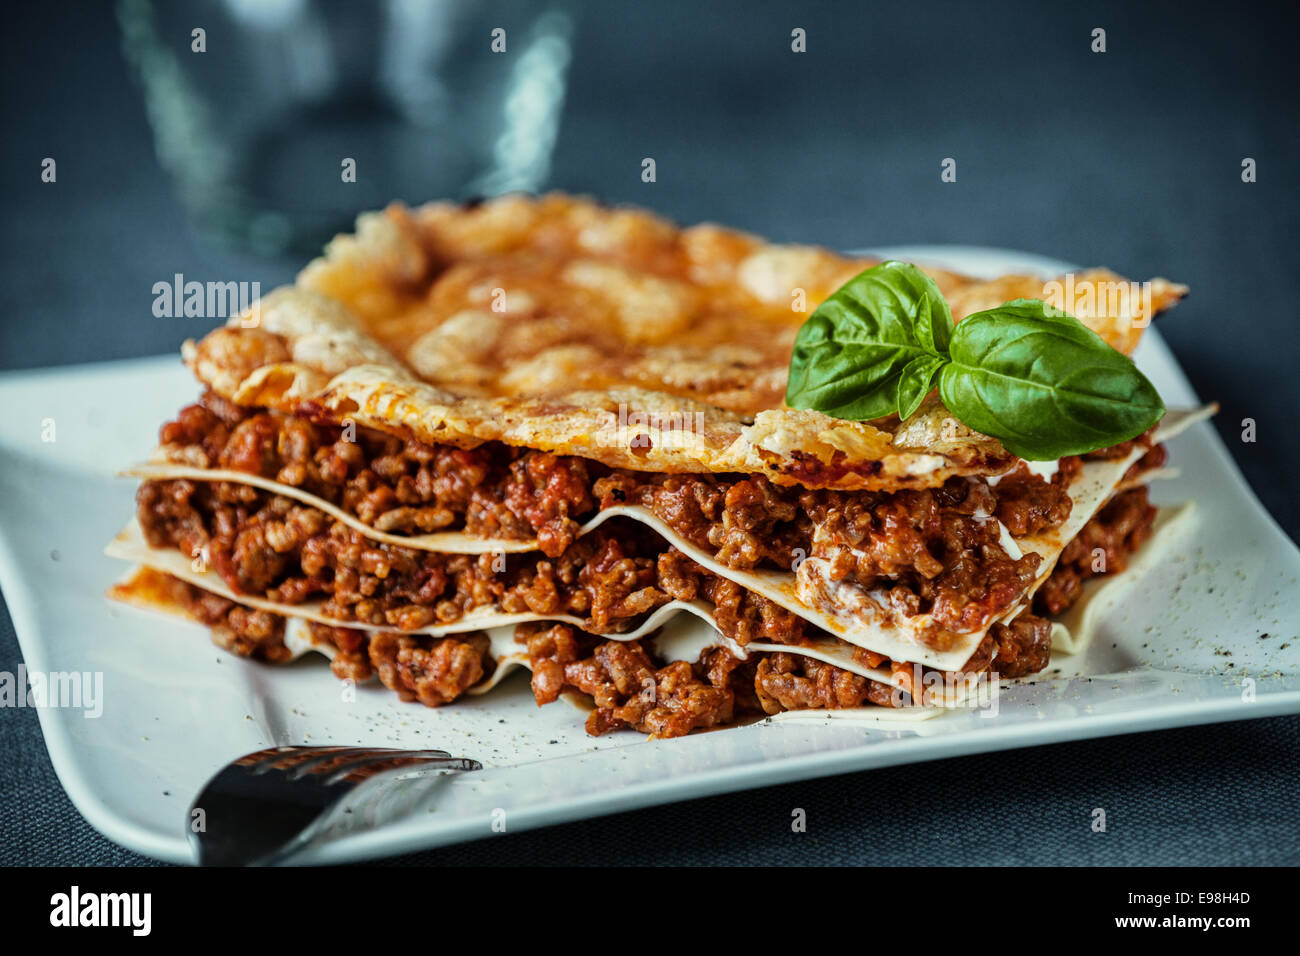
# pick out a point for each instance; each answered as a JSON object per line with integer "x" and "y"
{"x": 265, "y": 806}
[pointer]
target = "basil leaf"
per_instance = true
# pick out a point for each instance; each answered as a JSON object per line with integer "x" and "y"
{"x": 916, "y": 382}
{"x": 1044, "y": 384}
{"x": 849, "y": 357}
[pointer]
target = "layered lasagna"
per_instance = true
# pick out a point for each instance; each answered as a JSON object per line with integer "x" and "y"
{"x": 550, "y": 434}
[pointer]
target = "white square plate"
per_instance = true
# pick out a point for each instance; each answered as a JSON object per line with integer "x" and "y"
{"x": 1173, "y": 652}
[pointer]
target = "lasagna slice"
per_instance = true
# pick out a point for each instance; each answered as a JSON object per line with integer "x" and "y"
{"x": 546, "y": 433}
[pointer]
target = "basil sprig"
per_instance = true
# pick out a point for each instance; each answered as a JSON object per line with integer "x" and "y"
{"x": 1041, "y": 382}
{"x": 881, "y": 336}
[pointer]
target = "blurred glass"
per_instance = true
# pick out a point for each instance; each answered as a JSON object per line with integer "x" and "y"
{"x": 255, "y": 130}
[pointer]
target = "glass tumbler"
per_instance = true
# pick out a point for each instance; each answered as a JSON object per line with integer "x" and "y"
{"x": 278, "y": 120}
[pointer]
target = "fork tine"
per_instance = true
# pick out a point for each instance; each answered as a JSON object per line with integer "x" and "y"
{"x": 371, "y": 766}
{"x": 314, "y": 764}
{"x": 287, "y": 758}
{"x": 373, "y": 762}
{"x": 257, "y": 757}
{"x": 263, "y": 760}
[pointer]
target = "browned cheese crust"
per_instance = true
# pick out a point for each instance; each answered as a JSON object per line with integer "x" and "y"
{"x": 563, "y": 325}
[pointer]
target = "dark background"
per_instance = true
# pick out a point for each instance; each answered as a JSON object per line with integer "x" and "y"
{"x": 1129, "y": 159}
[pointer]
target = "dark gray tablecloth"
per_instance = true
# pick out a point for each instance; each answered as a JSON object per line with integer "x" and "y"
{"x": 1129, "y": 159}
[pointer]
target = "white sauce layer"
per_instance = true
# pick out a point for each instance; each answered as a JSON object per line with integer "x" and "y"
{"x": 1045, "y": 470}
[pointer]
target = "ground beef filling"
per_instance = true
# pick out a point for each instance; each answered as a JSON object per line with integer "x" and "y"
{"x": 267, "y": 545}
{"x": 1018, "y": 648}
{"x": 936, "y": 547}
{"x": 351, "y": 659}
{"x": 1143, "y": 442}
{"x": 1102, "y": 547}
{"x": 937, "y": 551}
{"x": 739, "y": 613}
{"x": 629, "y": 689}
{"x": 393, "y": 485}
{"x": 794, "y": 682}
{"x": 1029, "y": 505}
{"x": 434, "y": 671}
{"x": 937, "y": 544}
{"x": 271, "y": 546}
{"x": 1157, "y": 457}
{"x": 627, "y": 686}
{"x": 240, "y": 630}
